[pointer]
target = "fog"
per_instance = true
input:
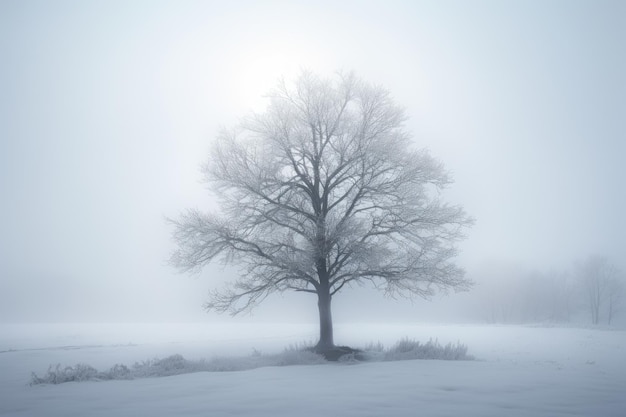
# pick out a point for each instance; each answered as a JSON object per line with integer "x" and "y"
{"x": 108, "y": 109}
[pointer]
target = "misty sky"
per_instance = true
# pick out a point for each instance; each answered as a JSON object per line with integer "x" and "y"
{"x": 108, "y": 108}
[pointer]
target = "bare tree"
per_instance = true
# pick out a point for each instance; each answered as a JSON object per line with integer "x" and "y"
{"x": 615, "y": 297}
{"x": 601, "y": 287}
{"x": 321, "y": 191}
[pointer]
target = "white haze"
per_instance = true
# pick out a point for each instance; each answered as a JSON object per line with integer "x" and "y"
{"x": 107, "y": 110}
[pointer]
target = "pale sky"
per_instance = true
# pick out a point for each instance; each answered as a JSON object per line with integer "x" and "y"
{"x": 108, "y": 109}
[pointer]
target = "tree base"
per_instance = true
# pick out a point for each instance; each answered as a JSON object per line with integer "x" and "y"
{"x": 333, "y": 353}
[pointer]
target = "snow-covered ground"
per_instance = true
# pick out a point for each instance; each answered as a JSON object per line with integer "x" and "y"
{"x": 519, "y": 371}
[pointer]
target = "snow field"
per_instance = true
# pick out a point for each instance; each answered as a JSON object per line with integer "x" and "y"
{"x": 519, "y": 371}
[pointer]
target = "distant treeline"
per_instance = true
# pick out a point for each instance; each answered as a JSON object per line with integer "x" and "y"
{"x": 592, "y": 291}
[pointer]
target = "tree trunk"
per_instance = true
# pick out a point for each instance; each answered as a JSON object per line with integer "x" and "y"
{"x": 326, "y": 322}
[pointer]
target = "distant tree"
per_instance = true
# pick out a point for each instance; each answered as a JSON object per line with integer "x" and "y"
{"x": 615, "y": 296}
{"x": 323, "y": 190}
{"x": 601, "y": 287}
